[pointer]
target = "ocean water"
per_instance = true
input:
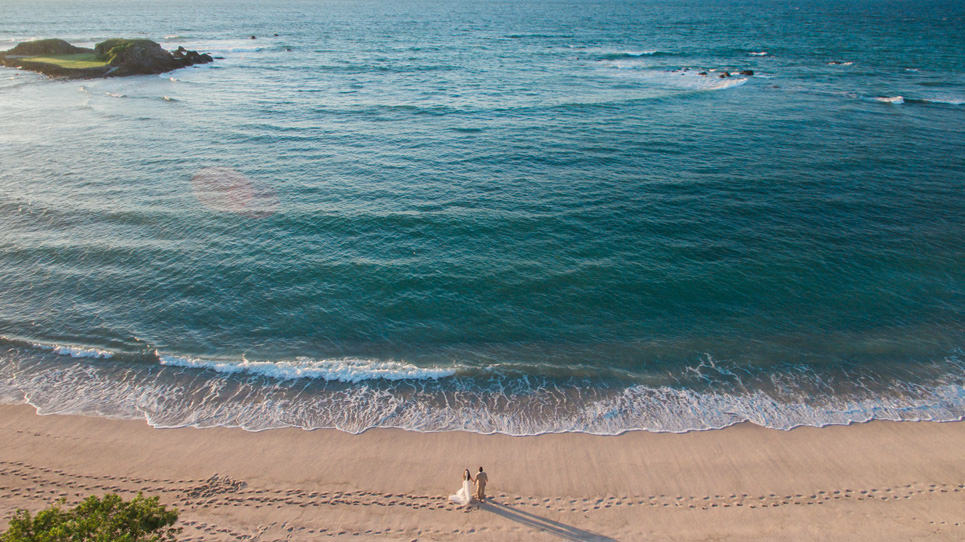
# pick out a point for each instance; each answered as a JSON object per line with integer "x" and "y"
{"x": 516, "y": 217}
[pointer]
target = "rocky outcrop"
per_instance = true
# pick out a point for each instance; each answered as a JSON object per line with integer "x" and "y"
{"x": 133, "y": 57}
{"x": 120, "y": 57}
{"x": 45, "y": 48}
{"x": 192, "y": 57}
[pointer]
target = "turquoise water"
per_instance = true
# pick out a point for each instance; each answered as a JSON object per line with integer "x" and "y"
{"x": 511, "y": 217}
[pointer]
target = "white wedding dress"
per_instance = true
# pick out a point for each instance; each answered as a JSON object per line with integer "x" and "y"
{"x": 464, "y": 495}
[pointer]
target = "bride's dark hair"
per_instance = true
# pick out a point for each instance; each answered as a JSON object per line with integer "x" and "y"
{"x": 466, "y": 475}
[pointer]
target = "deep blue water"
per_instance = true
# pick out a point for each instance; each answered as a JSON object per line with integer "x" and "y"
{"x": 510, "y": 217}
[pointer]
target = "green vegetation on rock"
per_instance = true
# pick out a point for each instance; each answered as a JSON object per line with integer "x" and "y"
{"x": 75, "y": 61}
{"x": 110, "y": 519}
{"x": 111, "y": 49}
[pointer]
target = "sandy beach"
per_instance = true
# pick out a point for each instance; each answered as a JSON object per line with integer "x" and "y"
{"x": 874, "y": 481}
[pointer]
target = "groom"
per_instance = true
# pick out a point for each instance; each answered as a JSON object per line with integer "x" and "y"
{"x": 481, "y": 479}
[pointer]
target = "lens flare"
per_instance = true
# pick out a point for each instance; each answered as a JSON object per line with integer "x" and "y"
{"x": 230, "y": 191}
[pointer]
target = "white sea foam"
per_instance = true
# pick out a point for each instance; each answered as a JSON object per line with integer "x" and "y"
{"x": 215, "y": 401}
{"x": 890, "y": 99}
{"x": 75, "y": 351}
{"x": 692, "y": 80}
{"x": 301, "y": 393}
{"x": 758, "y": 53}
{"x": 721, "y": 84}
{"x": 341, "y": 370}
{"x": 677, "y": 80}
{"x": 616, "y": 54}
{"x": 950, "y": 100}
{"x": 20, "y": 39}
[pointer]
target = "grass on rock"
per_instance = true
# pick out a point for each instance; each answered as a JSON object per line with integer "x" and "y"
{"x": 75, "y": 61}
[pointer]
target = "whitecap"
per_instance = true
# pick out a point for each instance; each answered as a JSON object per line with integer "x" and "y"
{"x": 897, "y": 100}
{"x": 758, "y": 53}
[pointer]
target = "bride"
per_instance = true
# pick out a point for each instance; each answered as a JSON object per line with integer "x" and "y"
{"x": 464, "y": 495}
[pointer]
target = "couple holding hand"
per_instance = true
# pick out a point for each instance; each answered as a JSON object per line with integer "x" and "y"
{"x": 465, "y": 495}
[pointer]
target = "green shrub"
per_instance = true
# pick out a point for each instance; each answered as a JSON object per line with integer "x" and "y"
{"x": 110, "y": 519}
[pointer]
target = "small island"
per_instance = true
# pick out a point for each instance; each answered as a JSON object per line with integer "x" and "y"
{"x": 112, "y": 58}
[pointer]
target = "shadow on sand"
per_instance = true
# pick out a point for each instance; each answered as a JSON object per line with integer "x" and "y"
{"x": 561, "y": 530}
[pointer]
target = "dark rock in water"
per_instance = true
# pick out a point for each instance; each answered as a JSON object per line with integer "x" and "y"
{"x": 119, "y": 56}
{"x": 702, "y": 73}
{"x": 747, "y": 72}
{"x": 724, "y": 74}
{"x": 45, "y": 48}
{"x": 252, "y": 37}
{"x": 130, "y": 57}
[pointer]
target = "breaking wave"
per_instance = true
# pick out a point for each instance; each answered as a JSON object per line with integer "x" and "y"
{"x": 341, "y": 370}
{"x": 354, "y": 395}
{"x": 633, "y": 54}
{"x": 76, "y": 351}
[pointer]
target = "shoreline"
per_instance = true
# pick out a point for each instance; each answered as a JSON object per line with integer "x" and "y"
{"x": 355, "y": 395}
{"x": 877, "y": 480}
{"x": 621, "y": 433}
